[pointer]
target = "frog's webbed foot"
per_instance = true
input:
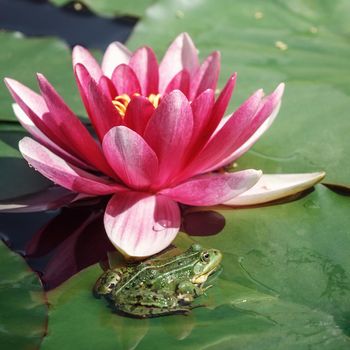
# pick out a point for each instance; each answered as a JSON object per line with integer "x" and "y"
{"x": 206, "y": 288}
{"x": 141, "y": 311}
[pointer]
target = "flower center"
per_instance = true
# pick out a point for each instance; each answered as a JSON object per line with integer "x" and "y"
{"x": 121, "y": 102}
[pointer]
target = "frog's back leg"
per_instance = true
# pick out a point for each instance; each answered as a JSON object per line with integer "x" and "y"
{"x": 106, "y": 282}
{"x": 140, "y": 311}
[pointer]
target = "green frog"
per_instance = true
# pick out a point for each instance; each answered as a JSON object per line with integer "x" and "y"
{"x": 159, "y": 286}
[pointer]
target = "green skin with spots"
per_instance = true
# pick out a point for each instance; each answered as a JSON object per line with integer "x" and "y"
{"x": 159, "y": 286}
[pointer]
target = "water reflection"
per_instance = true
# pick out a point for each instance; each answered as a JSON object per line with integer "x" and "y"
{"x": 59, "y": 243}
{"x": 67, "y": 241}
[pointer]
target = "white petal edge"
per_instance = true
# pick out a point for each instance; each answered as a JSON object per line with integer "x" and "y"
{"x": 271, "y": 187}
{"x": 115, "y": 54}
{"x": 83, "y": 56}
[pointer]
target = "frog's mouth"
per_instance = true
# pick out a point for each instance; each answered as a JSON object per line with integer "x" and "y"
{"x": 203, "y": 277}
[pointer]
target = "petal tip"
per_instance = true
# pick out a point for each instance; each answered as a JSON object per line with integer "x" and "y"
{"x": 260, "y": 93}
{"x": 259, "y": 172}
{"x": 184, "y": 36}
{"x": 9, "y": 82}
{"x": 280, "y": 89}
{"x": 80, "y": 69}
{"x": 22, "y": 143}
{"x": 77, "y": 50}
{"x": 41, "y": 79}
{"x": 319, "y": 176}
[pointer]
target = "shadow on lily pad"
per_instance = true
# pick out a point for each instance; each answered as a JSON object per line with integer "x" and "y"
{"x": 203, "y": 223}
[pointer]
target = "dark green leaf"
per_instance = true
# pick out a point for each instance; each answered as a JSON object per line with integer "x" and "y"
{"x": 23, "y": 310}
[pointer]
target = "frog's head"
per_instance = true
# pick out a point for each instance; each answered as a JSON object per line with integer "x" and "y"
{"x": 208, "y": 261}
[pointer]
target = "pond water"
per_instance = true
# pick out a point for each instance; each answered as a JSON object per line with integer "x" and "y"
{"x": 40, "y": 18}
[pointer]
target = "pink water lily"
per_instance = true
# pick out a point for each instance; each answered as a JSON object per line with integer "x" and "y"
{"x": 161, "y": 136}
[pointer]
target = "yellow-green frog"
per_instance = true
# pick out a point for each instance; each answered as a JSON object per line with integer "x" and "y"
{"x": 159, "y": 286}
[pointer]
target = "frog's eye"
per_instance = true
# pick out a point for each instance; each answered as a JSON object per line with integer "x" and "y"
{"x": 205, "y": 257}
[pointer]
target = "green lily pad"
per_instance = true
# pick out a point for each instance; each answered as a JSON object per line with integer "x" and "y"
{"x": 16, "y": 177}
{"x": 23, "y": 311}
{"x": 304, "y": 43}
{"x": 113, "y": 8}
{"x": 285, "y": 284}
{"x": 49, "y": 56}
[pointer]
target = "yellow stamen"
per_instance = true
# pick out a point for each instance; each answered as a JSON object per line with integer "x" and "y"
{"x": 154, "y": 99}
{"x": 121, "y": 102}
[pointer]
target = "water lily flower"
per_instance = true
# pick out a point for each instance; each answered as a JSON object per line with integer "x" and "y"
{"x": 161, "y": 137}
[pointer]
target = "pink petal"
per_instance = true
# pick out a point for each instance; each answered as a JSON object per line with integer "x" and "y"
{"x": 32, "y": 112}
{"x": 276, "y": 186}
{"x": 100, "y": 108}
{"x": 34, "y": 106}
{"x": 107, "y": 87}
{"x": 62, "y": 173}
{"x": 84, "y": 57}
{"x": 80, "y": 142}
{"x": 125, "y": 80}
{"x": 181, "y": 54}
{"x": 138, "y": 113}
{"x": 224, "y": 141}
{"x": 115, "y": 54}
{"x": 221, "y": 104}
{"x": 267, "y": 109}
{"x": 213, "y": 188}
{"x": 251, "y": 141}
{"x": 181, "y": 81}
{"x": 27, "y": 123}
{"x": 139, "y": 224}
{"x": 202, "y": 108}
{"x": 130, "y": 157}
{"x": 145, "y": 65}
{"x": 169, "y": 133}
{"x": 207, "y": 75}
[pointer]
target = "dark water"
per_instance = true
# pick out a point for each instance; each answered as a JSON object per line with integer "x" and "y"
{"x": 40, "y": 18}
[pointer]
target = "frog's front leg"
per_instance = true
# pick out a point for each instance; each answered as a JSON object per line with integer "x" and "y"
{"x": 187, "y": 291}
